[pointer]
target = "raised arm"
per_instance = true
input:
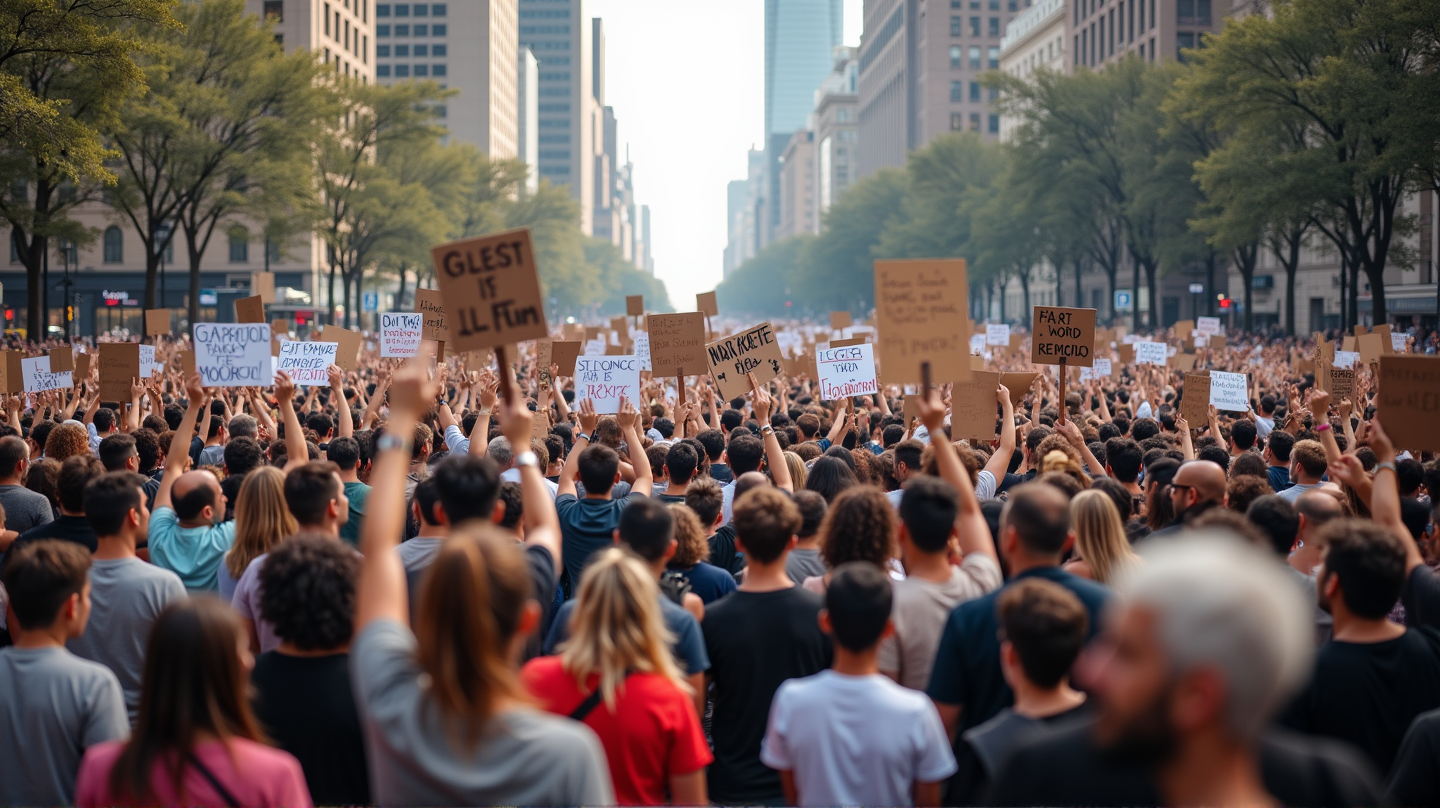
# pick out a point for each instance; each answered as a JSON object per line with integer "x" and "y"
{"x": 479, "y": 444}
{"x": 763, "y": 404}
{"x": 628, "y": 417}
{"x": 179, "y": 455}
{"x": 372, "y": 409}
{"x": 1187, "y": 443}
{"x": 296, "y": 453}
{"x": 346, "y": 426}
{"x": 588, "y": 420}
{"x": 999, "y": 462}
{"x": 1385, "y": 495}
{"x": 837, "y": 423}
{"x": 542, "y": 525}
{"x": 132, "y": 418}
{"x": 974, "y": 535}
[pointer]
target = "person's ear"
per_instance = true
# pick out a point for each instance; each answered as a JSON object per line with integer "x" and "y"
{"x": 823, "y": 618}
{"x": 670, "y": 549}
{"x": 133, "y": 517}
{"x": 617, "y": 478}
{"x": 615, "y": 535}
{"x": 529, "y": 619}
{"x": 719, "y": 521}
{"x": 333, "y": 509}
{"x": 1069, "y": 542}
{"x": 497, "y": 514}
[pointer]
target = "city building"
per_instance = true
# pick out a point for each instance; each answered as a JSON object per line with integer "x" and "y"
{"x": 527, "y": 97}
{"x": 469, "y": 47}
{"x": 1034, "y": 40}
{"x": 921, "y": 65}
{"x": 747, "y": 212}
{"x": 797, "y": 187}
{"x": 644, "y": 251}
{"x": 836, "y": 137}
{"x": 570, "y": 109}
{"x": 800, "y": 40}
{"x": 1102, "y": 31}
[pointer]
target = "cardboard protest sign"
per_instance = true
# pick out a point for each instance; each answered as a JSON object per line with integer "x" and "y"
{"x": 187, "y": 363}
{"x": 677, "y": 344}
{"x": 430, "y": 304}
{"x": 62, "y": 360}
{"x": 232, "y": 354}
{"x": 641, "y": 348}
{"x": 564, "y": 353}
{"x": 491, "y": 289}
{"x": 1183, "y": 329}
{"x": 308, "y": 363}
{"x": 82, "y": 366}
{"x": 755, "y": 350}
{"x": 845, "y": 343}
{"x": 634, "y": 305}
{"x": 1207, "y": 326}
{"x": 1127, "y": 353}
{"x": 619, "y": 325}
{"x": 1102, "y": 369}
{"x": 1229, "y": 392}
{"x": 250, "y": 310}
{"x": 705, "y": 303}
{"x": 1062, "y": 335}
{"x": 911, "y": 410}
{"x": 38, "y": 377}
{"x": 595, "y": 347}
{"x": 157, "y": 322}
{"x": 846, "y": 372}
{"x": 119, "y": 365}
{"x": 1018, "y": 384}
{"x": 802, "y": 366}
{"x": 1341, "y": 383}
{"x": 1017, "y": 341}
{"x": 348, "y": 356}
{"x": 12, "y": 373}
{"x": 997, "y": 334}
{"x": 1183, "y": 361}
{"x": 1347, "y": 343}
{"x": 839, "y": 320}
{"x": 1408, "y": 401}
{"x": 400, "y": 334}
{"x": 922, "y": 315}
{"x": 263, "y": 285}
{"x": 1195, "y": 404}
{"x": 148, "y": 365}
{"x": 977, "y": 362}
{"x": 615, "y": 350}
{"x": 973, "y": 408}
{"x": 1151, "y": 353}
{"x": 1397, "y": 342}
{"x": 1372, "y": 347}
{"x": 1216, "y": 343}
{"x": 1346, "y": 359}
{"x": 605, "y": 379}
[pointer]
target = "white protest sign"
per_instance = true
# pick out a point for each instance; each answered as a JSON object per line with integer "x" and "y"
{"x": 997, "y": 334}
{"x": 148, "y": 365}
{"x": 1346, "y": 360}
{"x": 1397, "y": 341}
{"x": 1207, "y": 326}
{"x": 604, "y": 379}
{"x": 1129, "y": 339}
{"x": 38, "y": 378}
{"x": 642, "y": 349}
{"x": 233, "y": 354}
{"x": 977, "y": 343}
{"x": 400, "y": 334}
{"x": 846, "y": 372}
{"x": 307, "y": 362}
{"x": 1151, "y": 353}
{"x": 1201, "y": 340}
{"x": 1228, "y": 391}
{"x": 1101, "y": 369}
{"x": 595, "y": 347}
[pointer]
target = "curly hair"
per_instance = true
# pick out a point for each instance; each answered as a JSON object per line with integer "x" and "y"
{"x": 307, "y": 591}
{"x": 859, "y": 526}
{"x": 692, "y": 545}
{"x": 66, "y": 441}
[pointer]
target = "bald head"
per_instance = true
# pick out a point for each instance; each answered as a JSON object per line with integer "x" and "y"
{"x": 1316, "y": 508}
{"x": 1204, "y": 477}
{"x": 749, "y": 481}
{"x": 197, "y": 499}
{"x": 1037, "y": 518}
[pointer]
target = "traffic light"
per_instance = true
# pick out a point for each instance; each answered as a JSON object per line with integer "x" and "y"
{"x": 1224, "y": 302}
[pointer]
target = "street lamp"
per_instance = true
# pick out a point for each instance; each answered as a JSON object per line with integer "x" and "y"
{"x": 67, "y": 255}
{"x": 162, "y": 241}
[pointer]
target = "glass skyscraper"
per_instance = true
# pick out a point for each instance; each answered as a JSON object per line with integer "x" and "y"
{"x": 800, "y": 40}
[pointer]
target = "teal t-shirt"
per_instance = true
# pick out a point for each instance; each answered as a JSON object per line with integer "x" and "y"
{"x": 193, "y": 553}
{"x": 358, "y": 494}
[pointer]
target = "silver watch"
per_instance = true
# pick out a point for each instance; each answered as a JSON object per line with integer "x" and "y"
{"x": 526, "y": 459}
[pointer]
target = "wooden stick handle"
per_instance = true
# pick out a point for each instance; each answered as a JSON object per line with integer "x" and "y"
{"x": 502, "y": 364}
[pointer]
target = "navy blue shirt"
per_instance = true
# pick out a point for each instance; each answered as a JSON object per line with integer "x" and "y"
{"x": 967, "y": 663}
{"x": 1279, "y": 478}
{"x": 708, "y": 581}
{"x": 586, "y": 525}
{"x": 689, "y": 647}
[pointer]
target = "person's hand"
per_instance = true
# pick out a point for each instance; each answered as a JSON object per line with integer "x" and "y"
{"x": 196, "y": 393}
{"x": 1181, "y": 425}
{"x": 628, "y": 415}
{"x": 1347, "y": 470}
{"x": 516, "y": 422}
{"x": 588, "y": 418}
{"x": 1319, "y": 405}
{"x": 1380, "y": 443}
{"x": 1345, "y": 407}
{"x": 284, "y": 387}
{"x": 762, "y": 402}
{"x": 337, "y": 377}
{"x": 931, "y": 411}
{"x": 137, "y": 387}
{"x": 1002, "y": 395}
{"x": 383, "y": 375}
{"x": 1071, "y": 433}
{"x": 488, "y": 392}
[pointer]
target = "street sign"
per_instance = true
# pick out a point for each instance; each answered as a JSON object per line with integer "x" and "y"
{"x": 371, "y": 302}
{"x": 208, "y": 297}
{"x": 1197, "y": 288}
{"x": 1122, "y": 299}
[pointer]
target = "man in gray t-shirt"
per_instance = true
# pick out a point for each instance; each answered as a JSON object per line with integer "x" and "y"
{"x": 24, "y": 508}
{"x": 127, "y": 595}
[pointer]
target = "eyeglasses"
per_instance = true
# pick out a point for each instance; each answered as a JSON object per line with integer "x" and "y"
{"x": 1174, "y": 486}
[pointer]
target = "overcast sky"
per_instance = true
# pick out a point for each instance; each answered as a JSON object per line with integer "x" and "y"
{"x": 686, "y": 79}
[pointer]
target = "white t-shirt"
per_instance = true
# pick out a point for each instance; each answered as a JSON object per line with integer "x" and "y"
{"x": 855, "y": 740}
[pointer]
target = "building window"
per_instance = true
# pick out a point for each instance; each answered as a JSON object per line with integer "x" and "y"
{"x": 437, "y": 70}
{"x": 402, "y": 30}
{"x": 114, "y": 245}
{"x": 274, "y": 11}
{"x": 422, "y": 10}
{"x": 382, "y": 51}
{"x": 957, "y": 122}
{"x": 975, "y": 91}
{"x": 954, "y": 26}
{"x": 422, "y": 50}
{"x": 402, "y": 50}
{"x": 365, "y": 49}
{"x": 382, "y": 30}
{"x": 422, "y": 70}
{"x": 974, "y": 57}
{"x": 327, "y": 19}
{"x": 402, "y": 10}
{"x": 994, "y": 26}
{"x": 1010, "y": 6}
{"x": 438, "y": 50}
{"x": 438, "y": 29}
{"x": 957, "y": 91}
{"x": 993, "y": 55}
{"x": 974, "y": 26}
{"x": 994, "y": 5}
{"x": 974, "y": 122}
{"x": 956, "y": 56}
{"x": 1152, "y": 17}
{"x": 994, "y": 123}
{"x": 1184, "y": 39}
{"x": 239, "y": 246}
{"x": 994, "y": 93}
{"x": 382, "y": 71}
{"x": 382, "y": 9}
{"x": 421, "y": 30}
{"x": 437, "y": 9}
{"x": 402, "y": 71}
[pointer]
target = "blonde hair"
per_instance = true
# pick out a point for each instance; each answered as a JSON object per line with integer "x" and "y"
{"x": 1100, "y": 536}
{"x": 261, "y": 518}
{"x": 796, "y": 466}
{"x": 691, "y": 544}
{"x": 617, "y": 626}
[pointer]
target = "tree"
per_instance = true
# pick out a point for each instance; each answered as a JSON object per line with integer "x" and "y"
{"x": 765, "y": 284}
{"x": 838, "y": 270}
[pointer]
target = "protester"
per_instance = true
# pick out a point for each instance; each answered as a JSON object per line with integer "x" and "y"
{"x": 70, "y": 524}
{"x": 1102, "y": 551}
{"x": 261, "y": 521}
{"x": 24, "y": 509}
{"x": 707, "y": 581}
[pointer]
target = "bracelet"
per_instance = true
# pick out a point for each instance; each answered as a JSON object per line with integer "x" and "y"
{"x": 1386, "y": 465}
{"x": 584, "y": 437}
{"x": 484, "y": 413}
{"x": 527, "y": 459}
{"x": 390, "y": 440}
{"x": 1322, "y": 427}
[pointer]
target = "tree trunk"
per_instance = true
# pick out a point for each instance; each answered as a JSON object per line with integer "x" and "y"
{"x": 1079, "y": 293}
{"x": 1024, "y": 291}
{"x": 1135, "y": 295}
{"x": 1209, "y": 294}
{"x": 400, "y": 295}
{"x": 1291, "y": 267}
{"x": 32, "y": 257}
{"x": 1150, "y": 267}
{"x": 1376, "y": 273}
{"x": 346, "y": 283}
{"x": 330, "y": 292}
{"x": 1354, "y": 296}
{"x": 1246, "y": 257}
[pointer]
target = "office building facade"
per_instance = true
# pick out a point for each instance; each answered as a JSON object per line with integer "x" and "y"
{"x": 570, "y": 118}
{"x": 527, "y": 97}
{"x": 836, "y": 138}
{"x": 798, "y": 213}
{"x": 800, "y": 39}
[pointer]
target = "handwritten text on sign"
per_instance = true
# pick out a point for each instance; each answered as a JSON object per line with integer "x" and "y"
{"x": 1063, "y": 335}
{"x": 38, "y": 378}
{"x": 754, "y": 351}
{"x": 677, "y": 344}
{"x": 846, "y": 372}
{"x": 307, "y": 362}
{"x": 233, "y": 354}
{"x": 605, "y": 379}
{"x": 492, "y": 290}
{"x": 1151, "y": 353}
{"x": 921, "y": 316}
{"x": 1228, "y": 391}
{"x": 400, "y": 334}
{"x": 1408, "y": 401}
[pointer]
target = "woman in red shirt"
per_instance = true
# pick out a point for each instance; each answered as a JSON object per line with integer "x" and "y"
{"x": 196, "y": 743}
{"x": 616, "y": 674}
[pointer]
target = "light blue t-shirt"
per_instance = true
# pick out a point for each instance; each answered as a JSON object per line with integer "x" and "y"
{"x": 193, "y": 553}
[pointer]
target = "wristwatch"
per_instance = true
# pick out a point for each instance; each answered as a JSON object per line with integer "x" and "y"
{"x": 583, "y": 436}
{"x": 527, "y": 460}
{"x": 1386, "y": 465}
{"x": 390, "y": 440}
{"x": 767, "y": 429}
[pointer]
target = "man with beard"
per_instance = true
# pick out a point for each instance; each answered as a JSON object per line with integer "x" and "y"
{"x": 1198, "y": 486}
{"x": 1209, "y": 640}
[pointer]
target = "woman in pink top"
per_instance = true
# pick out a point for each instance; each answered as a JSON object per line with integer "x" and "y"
{"x": 196, "y": 742}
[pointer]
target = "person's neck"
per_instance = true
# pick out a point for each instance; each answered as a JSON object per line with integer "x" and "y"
{"x": 678, "y": 489}
{"x": 48, "y": 637}
{"x": 766, "y": 577}
{"x": 109, "y": 548}
{"x": 1361, "y": 630}
{"x": 856, "y": 663}
{"x": 10, "y": 481}
{"x": 1024, "y": 562}
{"x": 1213, "y": 770}
{"x": 197, "y": 523}
{"x": 658, "y": 567}
{"x": 432, "y": 531}
{"x": 1042, "y": 702}
{"x": 289, "y": 649}
{"x": 933, "y": 567}
{"x": 592, "y": 495}
{"x": 349, "y": 476}
{"x": 215, "y": 441}
{"x": 329, "y": 528}
{"x": 807, "y": 543}
{"x": 1305, "y": 479}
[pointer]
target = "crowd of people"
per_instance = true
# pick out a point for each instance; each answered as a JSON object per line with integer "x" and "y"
{"x": 429, "y": 583}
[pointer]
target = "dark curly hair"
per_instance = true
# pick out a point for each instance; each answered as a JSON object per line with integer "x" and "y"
{"x": 307, "y": 591}
{"x": 859, "y": 526}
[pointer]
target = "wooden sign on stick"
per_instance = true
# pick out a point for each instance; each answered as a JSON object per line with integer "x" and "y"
{"x": 491, "y": 289}
{"x": 922, "y": 315}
